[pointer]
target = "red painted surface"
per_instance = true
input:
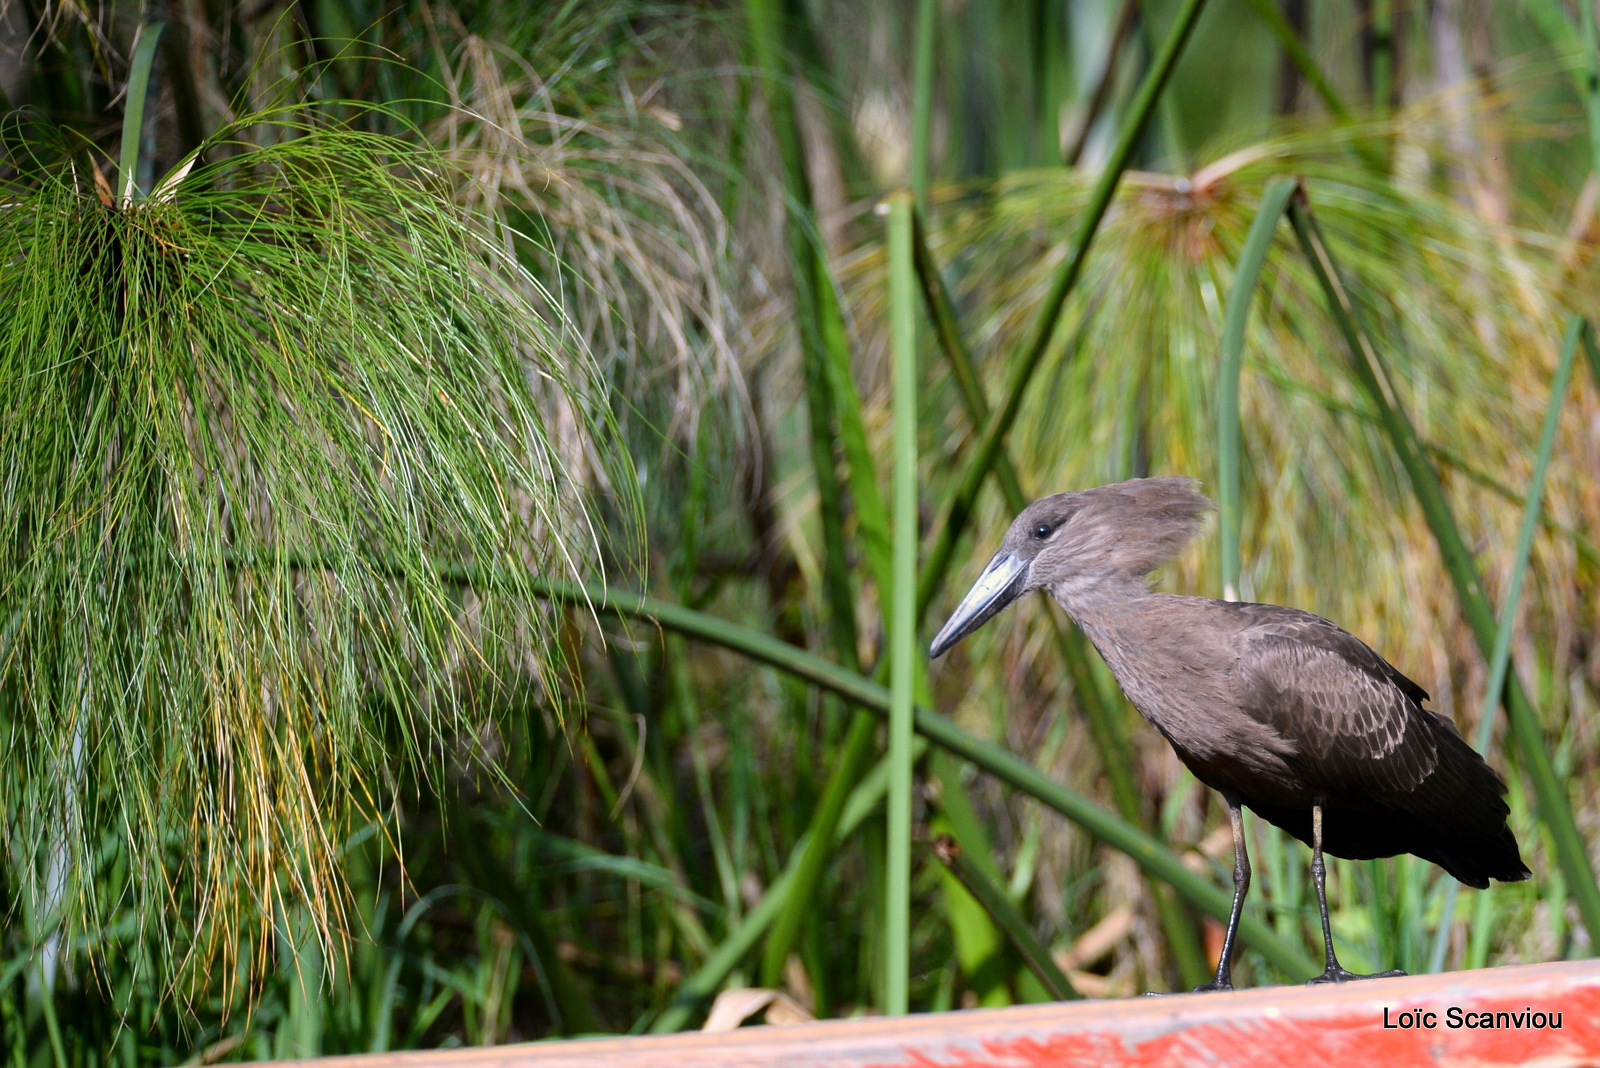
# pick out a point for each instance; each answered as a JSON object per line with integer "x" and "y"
{"x": 1270, "y": 1027}
{"x": 1357, "y": 1031}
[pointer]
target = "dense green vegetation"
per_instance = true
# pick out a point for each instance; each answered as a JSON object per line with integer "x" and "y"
{"x": 465, "y": 473}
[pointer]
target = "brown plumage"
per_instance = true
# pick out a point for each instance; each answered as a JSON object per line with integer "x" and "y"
{"x": 1277, "y": 709}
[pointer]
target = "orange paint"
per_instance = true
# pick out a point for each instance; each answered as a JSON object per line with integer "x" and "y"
{"x": 1350, "y": 1037}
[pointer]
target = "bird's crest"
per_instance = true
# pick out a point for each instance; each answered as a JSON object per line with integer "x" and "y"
{"x": 1132, "y": 528}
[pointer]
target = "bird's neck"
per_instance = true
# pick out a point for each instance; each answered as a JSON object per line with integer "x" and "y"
{"x": 1104, "y": 602}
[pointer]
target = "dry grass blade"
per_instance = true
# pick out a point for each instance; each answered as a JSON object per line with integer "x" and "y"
{"x": 624, "y": 214}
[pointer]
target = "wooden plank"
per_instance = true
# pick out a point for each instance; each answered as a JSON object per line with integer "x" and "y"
{"x": 1358, "y": 1025}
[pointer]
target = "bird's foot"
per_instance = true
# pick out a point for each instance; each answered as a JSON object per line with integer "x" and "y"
{"x": 1212, "y": 987}
{"x": 1336, "y": 974}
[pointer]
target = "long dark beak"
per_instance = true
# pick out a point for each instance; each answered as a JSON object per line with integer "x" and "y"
{"x": 1001, "y": 583}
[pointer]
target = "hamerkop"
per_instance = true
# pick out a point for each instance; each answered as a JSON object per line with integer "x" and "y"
{"x": 1272, "y": 707}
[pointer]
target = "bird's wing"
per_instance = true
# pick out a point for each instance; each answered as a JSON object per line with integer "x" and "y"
{"x": 1356, "y": 722}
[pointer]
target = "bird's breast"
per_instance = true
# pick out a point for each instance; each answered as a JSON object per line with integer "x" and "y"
{"x": 1190, "y": 704}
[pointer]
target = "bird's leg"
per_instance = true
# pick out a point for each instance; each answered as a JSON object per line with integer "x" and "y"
{"x": 1241, "y": 886}
{"x": 1319, "y": 875}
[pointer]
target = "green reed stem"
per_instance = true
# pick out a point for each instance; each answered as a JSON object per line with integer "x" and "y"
{"x": 1301, "y": 57}
{"x": 903, "y": 620}
{"x": 959, "y": 509}
{"x": 1500, "y": 659}
{"x": 806, "y": 267}
{"x": 1591, "y": 79}
{"x": 1373, "y": 375}
{"x": 1274, "y": 202}
{"x": 922, "y": 99}
{"x": 1102, "y": 710}
{"x": 1382, "y": 55}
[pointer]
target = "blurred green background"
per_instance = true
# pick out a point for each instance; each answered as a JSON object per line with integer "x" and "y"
{"x": 354, "y": 354}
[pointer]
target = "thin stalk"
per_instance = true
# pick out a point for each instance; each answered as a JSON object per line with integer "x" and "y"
{"x": 1551, "y": 19}
{"x": 903, "y": 619}
{"x": 825, "y": 356}
{"x": 1554, "y": 807}
{"x": 922, "y": 99}
{"x": 1591, "y": 352}
{"x": 1382, "y": 55}
{"x": 871, "y": 513}
{"x": 981, "y": 462}
{"x": 820, "y": 836}
{"x": 1126, "y": 14}
{"x": 874, "y": 539}
{"x": 1102, "y": 710}
{"x": 688, "y": 708}
{"x": 1301, "y": 57}
{"x": 805, "y": 255}
{"x": 1500, "y": 659}
{"x": 1591, "y": 79}
{"x": 52, "y": 1026}
{"x": 1143, "y": 848}
{"x": 1006, "y": 917}
{"x": 979, "y": 946}
{"x": 1274, "y": 202}
{"x": 144, "y": 51}
{"x": 711, "y": 974}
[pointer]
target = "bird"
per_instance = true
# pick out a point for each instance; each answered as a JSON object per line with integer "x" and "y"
{"x": 1278, "y": 710}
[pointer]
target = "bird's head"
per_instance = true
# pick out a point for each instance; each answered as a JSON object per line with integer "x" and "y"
{"x": 1071, "y": 542}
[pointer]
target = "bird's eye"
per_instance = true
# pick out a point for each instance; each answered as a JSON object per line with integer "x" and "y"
{"x": 1042, "y": 531}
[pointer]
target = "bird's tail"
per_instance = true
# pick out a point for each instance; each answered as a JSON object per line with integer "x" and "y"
{"x": 1478, "y": 861}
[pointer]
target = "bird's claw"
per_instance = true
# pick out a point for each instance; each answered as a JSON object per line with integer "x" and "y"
{"x": 1336, "y": 974}
{"x": 1212, "y": 987}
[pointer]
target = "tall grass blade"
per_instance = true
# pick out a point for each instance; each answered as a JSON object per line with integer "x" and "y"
{"x": 922, "y": 99}
{"x": 1500, "y": 659}
{"x": 144, "y": 51}
{"x": 1101, "y": 709}
{"x": 1591, "y": 352}
{"x": 1382, "y": 55}
{"x": 903, "y": 620}
{"x": 1554, "y": 806}
{"x": 813, "y": 856}
{"x": 1591, "y": 80}
{"x": 807, "y": 271}
{"x": 979, "y": 464}
{"x": 1274, "y": 202}
{"x": 1006, "y": 917}
{"x": 827, "y": 381}
{"x": 715, "y": 969}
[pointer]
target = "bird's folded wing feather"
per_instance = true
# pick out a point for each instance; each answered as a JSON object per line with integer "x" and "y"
{"x": 1355, "y": 720}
